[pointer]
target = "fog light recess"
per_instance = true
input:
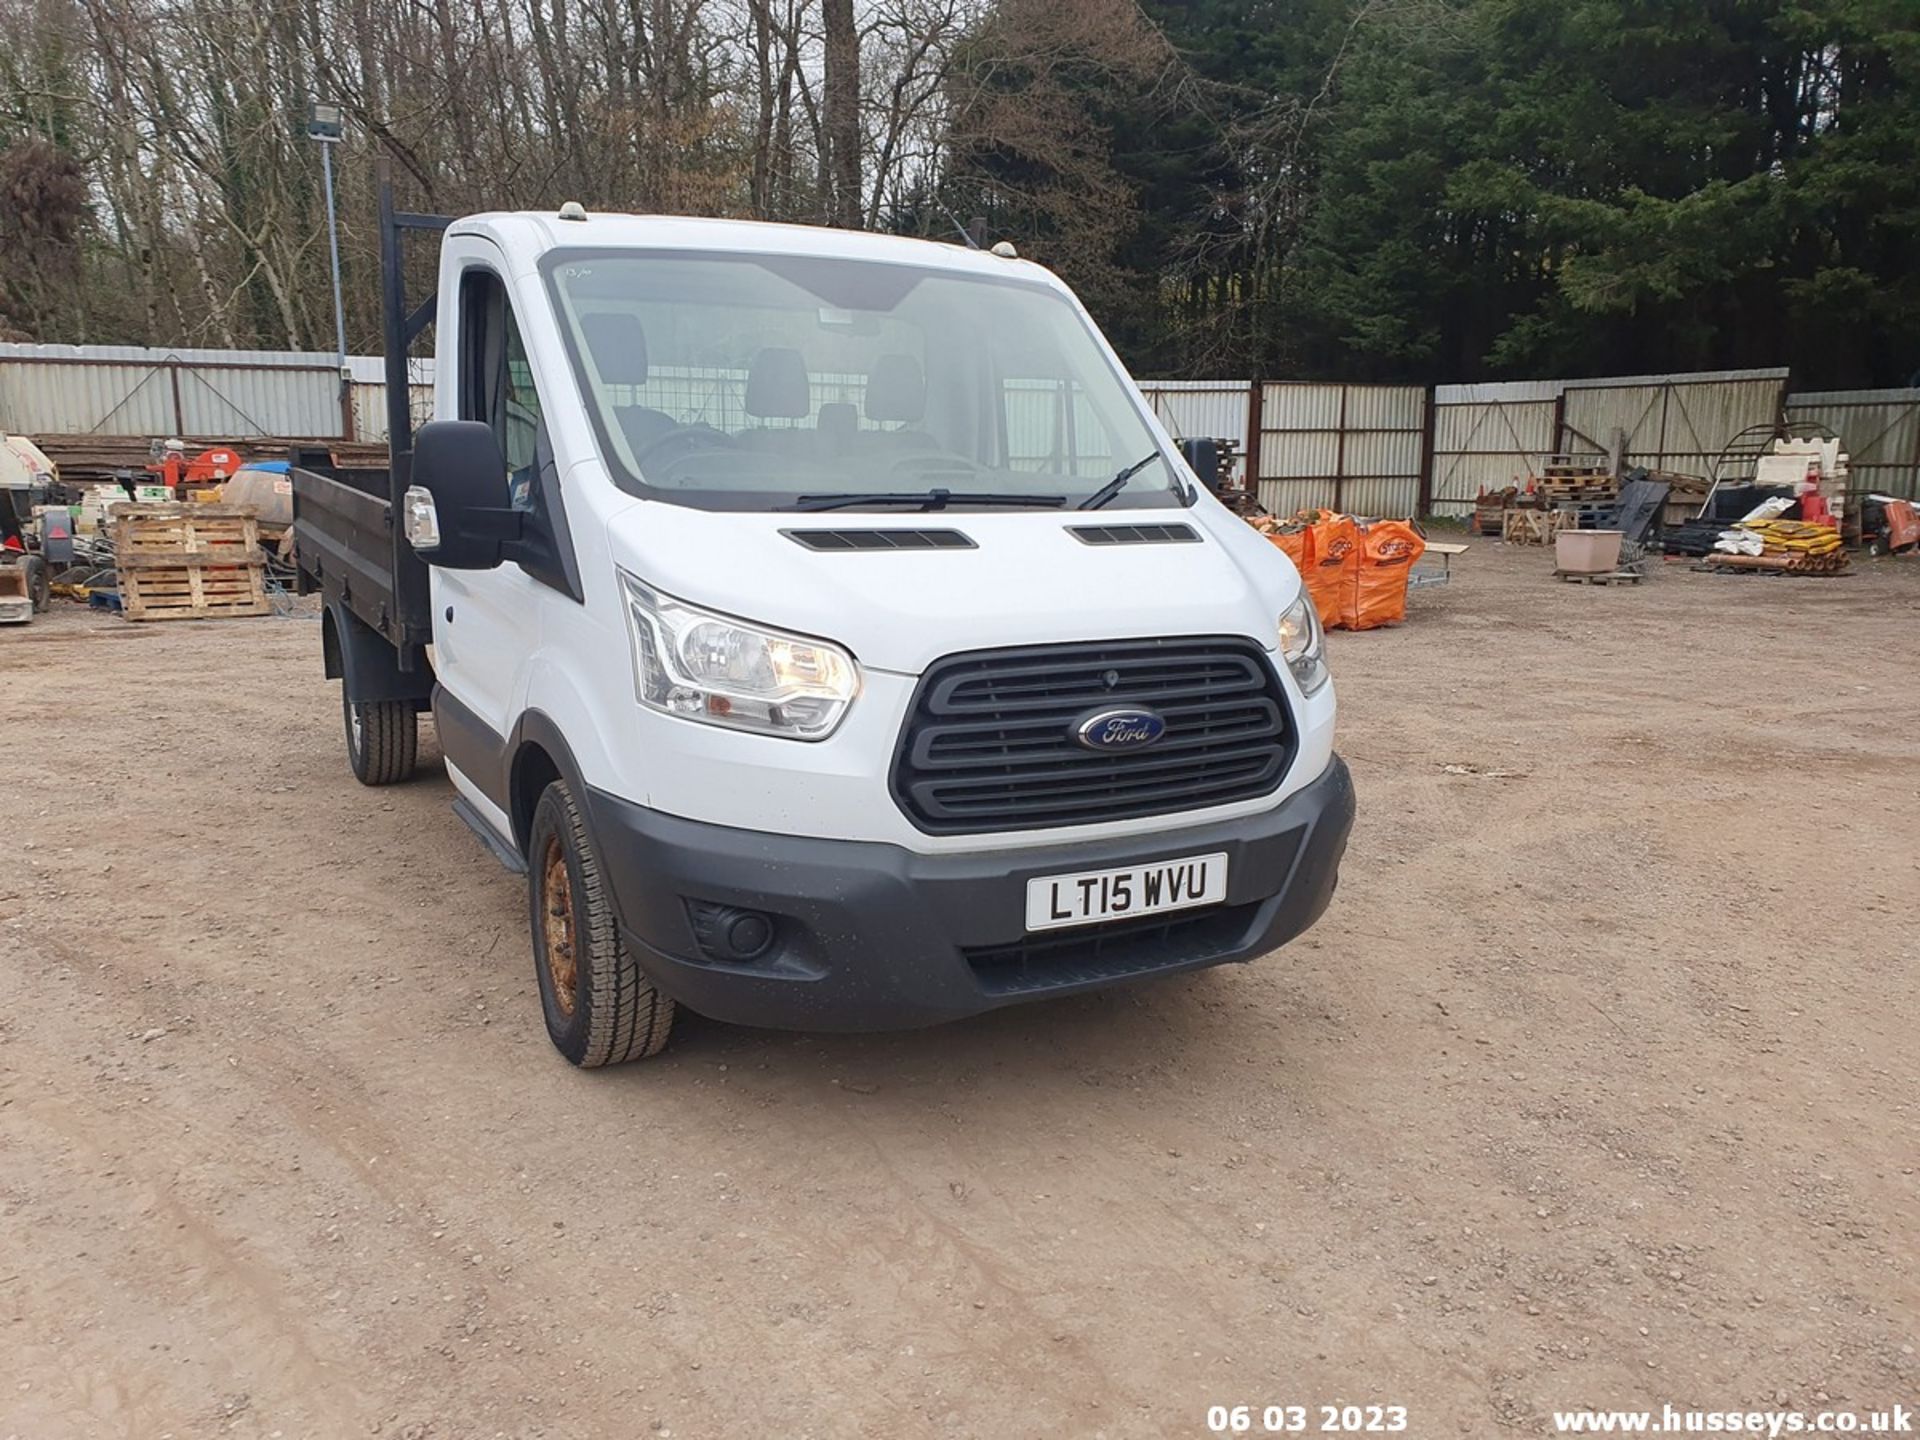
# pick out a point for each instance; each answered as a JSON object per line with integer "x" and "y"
{"x": 730, "y": 932}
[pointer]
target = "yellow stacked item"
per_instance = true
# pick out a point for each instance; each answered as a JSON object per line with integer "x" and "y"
{"x": 1794, "y": 537}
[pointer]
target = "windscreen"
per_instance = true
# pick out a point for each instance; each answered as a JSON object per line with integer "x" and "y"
{"x": 766, "y": 382}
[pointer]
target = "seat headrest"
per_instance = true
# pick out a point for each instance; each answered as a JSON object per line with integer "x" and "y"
{"x": 777, "y": 387}
{"x": 837, "y": 418}
{"x": 896, "y": 389}
{"x": 619, "y": 345}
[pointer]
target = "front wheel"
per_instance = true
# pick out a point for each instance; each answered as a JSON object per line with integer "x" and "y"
{"x": 600, "y": 1007}
{"x": 39, "y": 584}
{"x": 383, "y": 738}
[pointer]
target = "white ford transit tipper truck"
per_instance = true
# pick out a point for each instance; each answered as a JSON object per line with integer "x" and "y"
{"x": 824, "y": 625}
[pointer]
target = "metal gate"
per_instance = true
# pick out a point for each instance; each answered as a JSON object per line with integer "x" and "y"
{"x": 1357, "y": 448}
{"x": 1880, "y": 430}
{"x": 1211, "y": 409}
{"x": 1669, "y": 422}
{"x": 1487, "y": 437}
{"x": 132, "y": 390}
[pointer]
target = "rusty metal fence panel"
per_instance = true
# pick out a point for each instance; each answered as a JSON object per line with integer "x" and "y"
{"x": 1670, "y": 422}
{"x": 1371, "y": 449}
{"x": 1342, "y": 447}
{"x": 1212, "y": 409}
{"x": 133, "y": 390}
{"x": 369, "y": 374}
{"x": 1487, "y": 437}
{"x": 1880, "y": 429}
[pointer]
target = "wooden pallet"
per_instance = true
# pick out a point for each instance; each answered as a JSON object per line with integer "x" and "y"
{"x": 1534, "y": 527}
{"x": 1556, "y": 494}
{"x": 1584, "y": 507}
{"x": 188, "y": 561}
{"x": 1601, "y": 577}
{"x": 1568, "y": 464}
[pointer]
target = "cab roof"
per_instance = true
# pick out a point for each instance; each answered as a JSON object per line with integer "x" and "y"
{"x": 528, "y": 235}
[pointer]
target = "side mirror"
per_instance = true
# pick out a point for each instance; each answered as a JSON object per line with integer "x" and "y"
{"x": 1203, "y": 458}
{"x": 456, "y": 511}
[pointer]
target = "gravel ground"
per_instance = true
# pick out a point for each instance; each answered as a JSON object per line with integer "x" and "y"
{"x": 1596, "y": 1087}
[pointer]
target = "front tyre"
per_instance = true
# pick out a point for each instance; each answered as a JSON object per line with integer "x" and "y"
{"x": 383, "y": 738}
{"x": 600, "y": 1008}
{"x": 39, "y": 584}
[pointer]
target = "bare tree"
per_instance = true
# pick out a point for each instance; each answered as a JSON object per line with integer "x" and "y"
{"x": 840, "y": 109}
{"x": 201, "y": 218}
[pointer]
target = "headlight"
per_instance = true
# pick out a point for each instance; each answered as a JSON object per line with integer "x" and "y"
{"x": 1305, "y": 647}
{"x": 702, "y": 666}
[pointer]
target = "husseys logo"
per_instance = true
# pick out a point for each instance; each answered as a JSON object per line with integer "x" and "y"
{"x": 1119, "y": 729}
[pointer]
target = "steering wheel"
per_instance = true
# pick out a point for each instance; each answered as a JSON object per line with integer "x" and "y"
{"x": 678, "y": 435}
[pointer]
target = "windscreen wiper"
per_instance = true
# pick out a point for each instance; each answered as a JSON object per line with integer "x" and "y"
{"x": 1118, "y": 483}
{"x": 935, "y": 499}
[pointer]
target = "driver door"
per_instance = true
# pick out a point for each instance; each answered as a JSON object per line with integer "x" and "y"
{"x": 487, "y": 623}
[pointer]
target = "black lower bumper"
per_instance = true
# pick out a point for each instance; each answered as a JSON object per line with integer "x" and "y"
{"x": 869, "y": 936}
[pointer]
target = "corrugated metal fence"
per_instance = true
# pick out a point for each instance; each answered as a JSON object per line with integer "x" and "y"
{"x": 1881, "y": 429}
{"x": 1211, "y": 409}
{"x": 1373, "y": 449}
{"x": 369, "y": 380}
{"x": 1486, "y": 437}
{"x": 1340, "y": 447}
{"x": 128, "y": 390}
{"x": 131, "y": 390}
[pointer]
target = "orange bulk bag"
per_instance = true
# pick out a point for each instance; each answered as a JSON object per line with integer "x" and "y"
{"x": 1297, "y": 543}
{"x": 1387, "y": 552}
{"x": 1336, "y": 552}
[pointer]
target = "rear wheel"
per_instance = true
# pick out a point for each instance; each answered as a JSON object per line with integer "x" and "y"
{"x": 383, "y": 737}
{"x": 600, "y": 1008}
{"x": 39, "y": 584}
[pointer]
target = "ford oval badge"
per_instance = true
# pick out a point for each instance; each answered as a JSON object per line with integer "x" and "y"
{"x": 1119, "y": 730}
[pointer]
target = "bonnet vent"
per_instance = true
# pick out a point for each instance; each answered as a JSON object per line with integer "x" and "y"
{"x": 1134, "y": 534}
{"x": 880, "y": 539}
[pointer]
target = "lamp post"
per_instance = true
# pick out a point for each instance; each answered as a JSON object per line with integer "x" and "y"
{"x": 326, "y": 123}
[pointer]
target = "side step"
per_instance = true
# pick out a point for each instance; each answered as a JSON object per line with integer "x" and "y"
{"x": 501, "y": 851}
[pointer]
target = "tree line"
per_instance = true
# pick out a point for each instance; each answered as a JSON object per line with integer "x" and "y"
{"x": 1365, "y": 189}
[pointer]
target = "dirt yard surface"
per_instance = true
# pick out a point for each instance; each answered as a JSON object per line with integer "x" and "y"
{"x": 1596, "y": 1087}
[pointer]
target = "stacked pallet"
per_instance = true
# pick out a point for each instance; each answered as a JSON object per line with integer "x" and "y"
{"x": 188, "y": 562}
{"x": 1685, "y": 494}
{"x": 1575, "y": 479}
{"x": 1490, "y": 511}
{"x": 1533, "y": 526}
{"x": 1586, "y": 494}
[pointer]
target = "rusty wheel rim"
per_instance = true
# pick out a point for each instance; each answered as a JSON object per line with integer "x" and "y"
{"x": 556, "y": 895}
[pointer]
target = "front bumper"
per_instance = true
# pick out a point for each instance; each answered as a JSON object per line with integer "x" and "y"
{"x": 871, "y": 936}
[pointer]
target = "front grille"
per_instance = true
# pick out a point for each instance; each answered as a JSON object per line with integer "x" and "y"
{"x": 989, "y": 741}
{"x": 1110, "y": 952}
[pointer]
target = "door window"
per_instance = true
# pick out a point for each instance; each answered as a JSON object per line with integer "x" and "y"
{"x": 496, "y": 379}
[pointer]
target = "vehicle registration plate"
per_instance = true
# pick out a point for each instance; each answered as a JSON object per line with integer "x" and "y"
{"x": 1092, "y": 896}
